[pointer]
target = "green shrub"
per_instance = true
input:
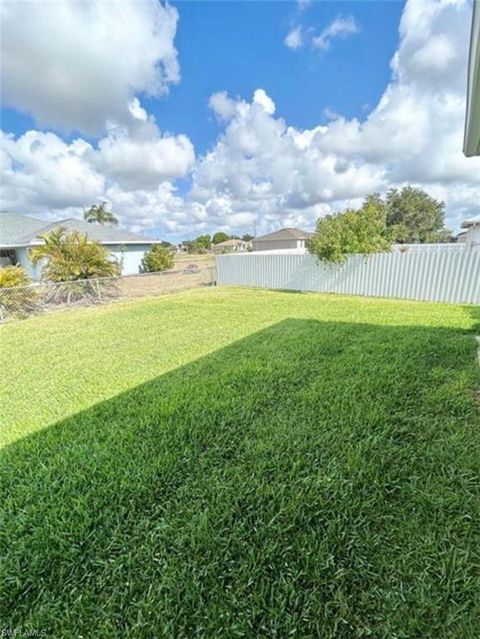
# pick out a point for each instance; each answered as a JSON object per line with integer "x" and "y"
{"x": 158, "y": 258}
{"x": 17, "y": 298}
{"x": 363, "y": 231}
{"x": 11, "y": 276}
{"x": 71, "y": 256}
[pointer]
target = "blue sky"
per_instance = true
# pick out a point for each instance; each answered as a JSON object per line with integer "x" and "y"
{"x": 198, "y": 116}
{"x": 238, "y": 47}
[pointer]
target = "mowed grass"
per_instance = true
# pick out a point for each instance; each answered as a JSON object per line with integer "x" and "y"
{"x": 234, "y": 463}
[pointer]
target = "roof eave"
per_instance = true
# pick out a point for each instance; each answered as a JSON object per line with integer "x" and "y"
{"x": 471, "y": 145}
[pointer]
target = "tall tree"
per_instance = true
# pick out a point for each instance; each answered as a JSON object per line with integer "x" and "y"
{"x": 200, "y": 244}
{"x": 351, "y": 232}
{"x": 220, "y": 236}
{"x": 98, "y": 214}
{"x": 415, "y": 216}
{"x": 247, "y": 237}
{"x": 70, "y": 256}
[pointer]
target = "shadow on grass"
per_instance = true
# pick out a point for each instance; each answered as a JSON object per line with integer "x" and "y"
{"x": 316, "y": 479}
{"x": 474, "y": 311}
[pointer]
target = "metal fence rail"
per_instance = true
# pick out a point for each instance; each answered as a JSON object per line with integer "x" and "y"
{"x": 22, "y": 301}
{"x": 434, "y": 275}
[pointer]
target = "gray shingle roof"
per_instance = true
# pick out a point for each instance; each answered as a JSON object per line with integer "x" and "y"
{"x": 19, "y": 230}
{"x": 285, "y": 234}
{"x": 14, "y": 226}
{"x": 473, "y": 221}
{"x": 232, "y": 242}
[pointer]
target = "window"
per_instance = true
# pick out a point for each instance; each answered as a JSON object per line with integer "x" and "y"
{"x": 8, "y": 257}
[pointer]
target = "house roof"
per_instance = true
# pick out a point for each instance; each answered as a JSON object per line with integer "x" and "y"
{"x": 285, "y": 234}
{"x": 232, "y": 242}
{"x": 14, "y": 226}
{"x": 22, "y": 230}
{"x": 473, "y": 221}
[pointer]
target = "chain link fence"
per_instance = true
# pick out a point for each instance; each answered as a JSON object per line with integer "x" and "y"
{"x": 23, "y": 301}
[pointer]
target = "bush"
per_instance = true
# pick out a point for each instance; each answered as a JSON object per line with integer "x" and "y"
{"x": 11, "y": 276}
{"x": 71, "y": 256}
{"x": 158, "y": 258}
{"x": 363, "y": 231}
{"x": 17, "y": 298}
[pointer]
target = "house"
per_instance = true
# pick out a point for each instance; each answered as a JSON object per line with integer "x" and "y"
{"x": 472, "y": 237}
{"x": 283, "y": 239}
{"x": 471, "y": 145}
{"x": 19, "y": 233}
{"x": 232, "y": 246}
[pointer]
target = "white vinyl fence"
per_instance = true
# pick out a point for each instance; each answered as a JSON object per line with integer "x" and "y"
{"x": 438, "y": 276}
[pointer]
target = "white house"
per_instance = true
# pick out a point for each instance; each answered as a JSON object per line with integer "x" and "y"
{"x": 284, "y": 239}
{"x": 19, "y": 233}
{"x": 472, "y": 236}
{"x": 232, "y": 246}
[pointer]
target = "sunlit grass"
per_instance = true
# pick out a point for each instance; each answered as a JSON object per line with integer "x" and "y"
{"x": 229, "y": 463}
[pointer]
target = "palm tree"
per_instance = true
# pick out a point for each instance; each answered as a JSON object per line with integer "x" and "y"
{"x": 98, "y": 213}
{"x": 70, "y": 256}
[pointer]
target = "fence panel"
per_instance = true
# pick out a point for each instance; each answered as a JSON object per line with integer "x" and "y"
{"x": 432, "y": 275}
{"x": 21, "y": 301}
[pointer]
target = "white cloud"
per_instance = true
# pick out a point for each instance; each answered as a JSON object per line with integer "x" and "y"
{"x": 222, "y": 105}
{"x": 144, "y": 157}
{"x": 43, "y": 174}
{"x": 294, "y": 38}
{"x": 339, "y": 28}
{"x": 413, "y": 135}
{"x": 40, "y": 172}
{"x": 262, "y": 172}
{"x": 69, "y": 65}
{"x": 137, "y": 111}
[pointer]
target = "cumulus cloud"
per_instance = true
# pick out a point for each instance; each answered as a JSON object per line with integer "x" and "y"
{"x": 67, "y": 63}
{"x": 339, "y": 28}
{"x": 41, "y": 172}
{"x": 144, "y": 158}
{"x": 263, "y": 173}
{"x": 413, "y": 135}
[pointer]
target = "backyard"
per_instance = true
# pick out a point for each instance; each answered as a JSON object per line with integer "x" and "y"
{"x": 242, "y": 463}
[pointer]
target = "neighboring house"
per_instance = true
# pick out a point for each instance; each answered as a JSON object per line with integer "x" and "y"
{"x": 282, "y": 239}
{"x": 461, "y": 237}
{"x": 232, "y": 246}
{"x": 472, "y": 237}
{"x": 471, "y": 145}
{"x": 19, "y": 233}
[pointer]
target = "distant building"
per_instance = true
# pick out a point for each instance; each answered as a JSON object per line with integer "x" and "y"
{"x": 283, "y": 239}
{"x": 232, "y": 246}
{"x": 19, "y": 233}
{"x": 472, "y": 236}
{"x": 181, "y": 248}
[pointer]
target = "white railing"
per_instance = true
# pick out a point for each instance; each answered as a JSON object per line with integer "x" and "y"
{"x": 450, "y": 275}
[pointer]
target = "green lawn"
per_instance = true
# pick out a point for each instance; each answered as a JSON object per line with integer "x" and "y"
{"x": 232, "y": 463}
